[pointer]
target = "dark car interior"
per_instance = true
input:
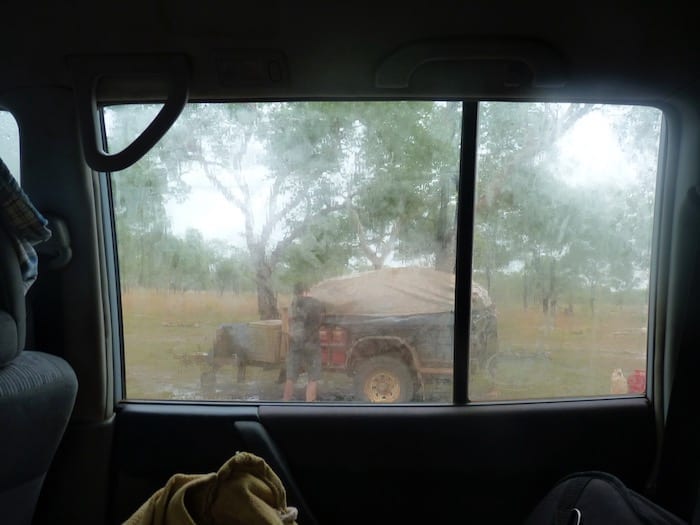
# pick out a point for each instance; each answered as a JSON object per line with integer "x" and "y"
{"x": 98, "y": 97}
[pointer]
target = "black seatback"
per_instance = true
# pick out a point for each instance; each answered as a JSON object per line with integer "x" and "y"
{"x": 37, "y": 393}
{"x": 11, "y": 300}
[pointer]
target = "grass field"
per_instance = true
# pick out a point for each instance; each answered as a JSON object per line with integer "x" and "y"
{"x": 163, "y": 331}
{"x": 540, "y": 356}
{"x": 564, "y": 355}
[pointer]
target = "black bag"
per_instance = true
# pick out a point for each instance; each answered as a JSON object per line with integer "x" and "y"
{"x": 598, "y": 498}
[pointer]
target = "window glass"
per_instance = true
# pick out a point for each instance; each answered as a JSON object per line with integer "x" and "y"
{"x": 354, "y": 204}
{"x": 261, "y": 243}
{"x": 9, "y": 142}
{"x": 562, "y": 246}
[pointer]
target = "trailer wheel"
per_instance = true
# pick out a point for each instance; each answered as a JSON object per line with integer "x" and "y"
{"x": 383, "y": 379}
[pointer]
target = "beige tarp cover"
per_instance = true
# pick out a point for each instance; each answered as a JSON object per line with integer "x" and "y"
{"x": 393, "y": 291}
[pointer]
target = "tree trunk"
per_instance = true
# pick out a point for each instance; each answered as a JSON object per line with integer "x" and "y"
{"x": 552, "y": 283}
{"x": 267, "y": 299}
{"x": 445, "y": 258}
{"x": 525, "y": 291}
{"x": 445, "y": 235}
{"x": 267, "y": 302}
{"x": 549, "y": 295}
{"x": 141, "y": 279}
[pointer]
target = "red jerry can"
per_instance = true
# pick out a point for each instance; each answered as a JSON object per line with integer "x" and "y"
{"x": 324, "y": 338}
{"x": 340, "y": 342}
{"x": 637, "y": 382}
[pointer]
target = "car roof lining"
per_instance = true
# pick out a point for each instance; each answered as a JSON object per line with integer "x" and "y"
{"x": 327, "y": 54}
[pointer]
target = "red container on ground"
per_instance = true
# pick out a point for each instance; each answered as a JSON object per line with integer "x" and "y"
{"x": 637, "y": 382}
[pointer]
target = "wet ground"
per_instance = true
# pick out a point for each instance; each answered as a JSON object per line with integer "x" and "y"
{"x": 196, "y": 383}
{"x": 513, "y": 374}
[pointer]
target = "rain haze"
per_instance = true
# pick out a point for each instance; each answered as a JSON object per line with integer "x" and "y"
{"x": 589, "y": 154}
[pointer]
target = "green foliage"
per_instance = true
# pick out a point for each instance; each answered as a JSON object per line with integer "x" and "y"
{"x": 142, "y": 224}
{"x": 561, "y": 235}
{"x": 232, "y": 270}
{"x": 324, "y": 187}
{"x": 317, "y": 254}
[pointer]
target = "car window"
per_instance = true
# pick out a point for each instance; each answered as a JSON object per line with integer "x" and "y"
{"x": 562, "y": 246}
{"x": 9, "y": 142}
{"x": 306, "y": 251}
{"x": 270, "y": 242}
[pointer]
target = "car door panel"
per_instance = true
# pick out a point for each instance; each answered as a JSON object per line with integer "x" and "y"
{"x": 376, "y": 464}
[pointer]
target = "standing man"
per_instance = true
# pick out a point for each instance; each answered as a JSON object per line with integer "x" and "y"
{"x": 306, "y": 317}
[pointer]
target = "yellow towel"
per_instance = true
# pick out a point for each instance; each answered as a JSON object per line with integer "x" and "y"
{"x": 244, "y": 491}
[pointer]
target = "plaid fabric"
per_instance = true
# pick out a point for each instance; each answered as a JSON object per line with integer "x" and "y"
{"x": 23, "y": 223}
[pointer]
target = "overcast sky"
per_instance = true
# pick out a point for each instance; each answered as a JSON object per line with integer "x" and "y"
{"x": 589, "y": 155}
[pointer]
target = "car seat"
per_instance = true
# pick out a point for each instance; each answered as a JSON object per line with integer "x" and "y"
{"x": 37, "y": 393}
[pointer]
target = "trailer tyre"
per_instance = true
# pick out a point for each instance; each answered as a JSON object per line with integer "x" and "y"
{"x": 383, "y": 380}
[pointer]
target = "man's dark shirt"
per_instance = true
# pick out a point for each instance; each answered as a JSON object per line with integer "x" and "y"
{"x": 307, "y": 316}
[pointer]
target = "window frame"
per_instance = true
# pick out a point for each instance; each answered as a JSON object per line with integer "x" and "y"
{"x": 463, "y": 262}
